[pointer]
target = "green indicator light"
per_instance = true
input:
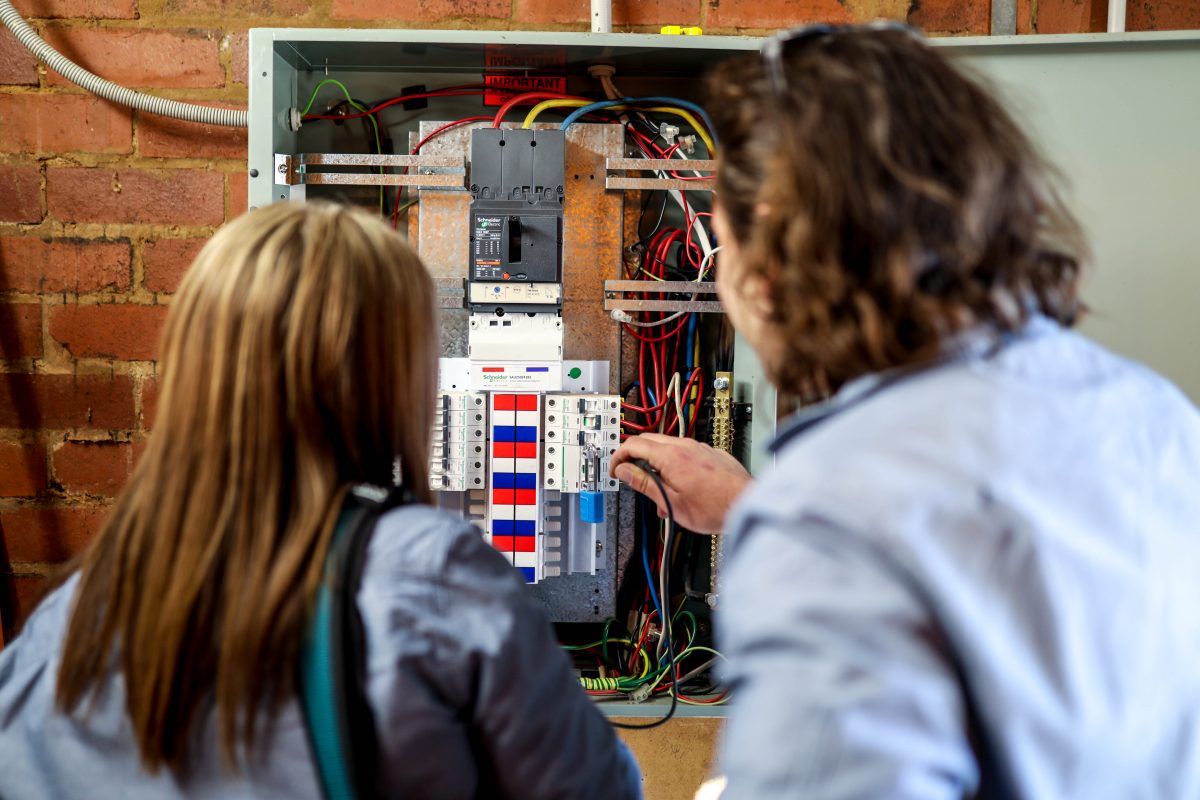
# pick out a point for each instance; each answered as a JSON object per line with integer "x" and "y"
{"x": 574, "y": 372}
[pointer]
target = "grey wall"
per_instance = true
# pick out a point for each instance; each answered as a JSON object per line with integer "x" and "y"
{"x": 1122, "y": 120}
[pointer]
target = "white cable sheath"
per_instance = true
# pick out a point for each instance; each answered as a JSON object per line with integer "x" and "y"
{"x": 602, "y": 16}
{"x": 1116, "y": 16}
{"x": 107, "y": 89}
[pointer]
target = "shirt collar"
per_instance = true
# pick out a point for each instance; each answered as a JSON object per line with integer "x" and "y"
{"x": 968, "y": 345}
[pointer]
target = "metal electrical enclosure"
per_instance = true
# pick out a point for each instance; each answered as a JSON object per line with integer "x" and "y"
{"x": 1119, "y": 113}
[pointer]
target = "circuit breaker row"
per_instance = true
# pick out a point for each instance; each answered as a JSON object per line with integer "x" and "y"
{"x": 512, "y": 447}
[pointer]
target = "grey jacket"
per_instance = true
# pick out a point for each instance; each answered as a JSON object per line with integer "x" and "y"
{"x": 472, "y": 696}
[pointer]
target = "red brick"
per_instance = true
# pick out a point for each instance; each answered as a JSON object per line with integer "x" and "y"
{"x": 1162, "y": 15}
{"x": 149, "y": 402}
{"x": 1071, "y": 16}
{"x": 166, "y": 261}
{"x": 625, "y": 12}
{"x": 97, "y": 468}
{"x": 167, "y": 197}
{"x": 1024, "y": 16}
{"x": 952, "y": 16}
{"x": 111, "y": 330}
{"x": 20, "y": 194}
{"x": 22, "y": 469}
{"x": 82, "y": 9}
{"x": 141, "y": 57}
{"x": 60, "y": 123}
{"x": 29, "y": 264}
{"x": 239, "y": 57}
{"x": 32, "y": 402}
{"x": 777, "y": 14}
{"x": 428, "y": 11}
{"x": 239, "y": 189}
{"x": 247, "y": 8}
{"x": 164, "y": 137}
{"x": 20, "y": 330}
{"x": 17, "y": 65}
{"x": 48, "y": 534}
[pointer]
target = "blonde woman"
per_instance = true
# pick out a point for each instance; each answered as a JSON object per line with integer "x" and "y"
{"x": 299, "y": 359}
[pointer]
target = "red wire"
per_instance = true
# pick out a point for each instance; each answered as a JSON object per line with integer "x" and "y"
{"x": 413, "y": 152}
{"x": 528, "y": 97}
{"x": 645, "y": 633}
{"x": 451, "y": 92}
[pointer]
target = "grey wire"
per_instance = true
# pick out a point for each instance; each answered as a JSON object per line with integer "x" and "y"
{"x": 93, "y": 83}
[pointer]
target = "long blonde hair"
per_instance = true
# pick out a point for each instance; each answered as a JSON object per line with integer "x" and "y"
{"x": 299, "y": 357}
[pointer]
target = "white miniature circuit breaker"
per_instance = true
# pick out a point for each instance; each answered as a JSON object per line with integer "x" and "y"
{"x": 457, "y": 462}
{"x": 534, "y": 463}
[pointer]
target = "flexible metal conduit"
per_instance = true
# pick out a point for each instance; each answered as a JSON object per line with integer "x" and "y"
{"x": 107, "y": 89}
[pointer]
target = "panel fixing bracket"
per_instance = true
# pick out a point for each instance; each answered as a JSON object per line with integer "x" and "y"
{"x": 614, "y": 299}
{"x": 441, "y": 172}
{"x": 615, "y": 179}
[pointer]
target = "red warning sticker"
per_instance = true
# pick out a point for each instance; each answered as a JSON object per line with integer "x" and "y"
{"x": 509, "y": 71}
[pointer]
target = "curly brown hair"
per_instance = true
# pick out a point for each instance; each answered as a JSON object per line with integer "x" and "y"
{"x": 889, "y": 200}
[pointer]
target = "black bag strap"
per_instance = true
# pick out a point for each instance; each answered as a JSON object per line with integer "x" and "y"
{"x": 338, "y": 718}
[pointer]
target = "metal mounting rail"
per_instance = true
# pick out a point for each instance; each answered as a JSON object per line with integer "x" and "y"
{"x": 446, "y": 172}
{"x": 623, "y": 182}
{"x": 450, "y": 292}
{"x": 614, "y": 301}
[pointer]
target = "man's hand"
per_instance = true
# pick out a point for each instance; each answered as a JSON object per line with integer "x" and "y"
{"x": 701, "y": 482}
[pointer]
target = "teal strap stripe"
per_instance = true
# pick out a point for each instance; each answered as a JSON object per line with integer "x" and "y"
{"x": 319, "y": 693}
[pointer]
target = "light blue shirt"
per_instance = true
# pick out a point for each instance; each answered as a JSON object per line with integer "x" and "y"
{"x": 982, "y": 577}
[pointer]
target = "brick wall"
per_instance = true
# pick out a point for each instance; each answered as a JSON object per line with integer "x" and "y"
{"x": 101, "y": 209}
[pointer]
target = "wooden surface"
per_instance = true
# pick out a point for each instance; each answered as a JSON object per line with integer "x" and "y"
{"x": 675, "y": 758}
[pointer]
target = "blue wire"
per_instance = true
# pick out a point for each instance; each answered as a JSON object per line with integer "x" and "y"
{"x": 646, "y": 564}
{"x": 687, "y": 360}
{"x": 626, "y": 101}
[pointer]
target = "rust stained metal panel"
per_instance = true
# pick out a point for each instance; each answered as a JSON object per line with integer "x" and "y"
{"x": 592, "y": 238}
{"x": 592, "y": 242}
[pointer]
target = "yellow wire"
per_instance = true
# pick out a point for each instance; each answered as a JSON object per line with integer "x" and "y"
{"x": 645, "y": 657}
{"x": 562, "y": 103}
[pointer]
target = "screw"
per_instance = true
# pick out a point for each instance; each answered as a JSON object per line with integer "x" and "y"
{"x": 721, "y": 384}
{"x": 283, "y": 169}
{"x": 253, "y": 173}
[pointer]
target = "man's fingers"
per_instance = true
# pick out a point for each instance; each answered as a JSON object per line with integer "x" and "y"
{"x": 634, "y": 448}
{"x": 635, "y": 476}
{"x": 639, "y": 480}
{"x": 650, "y": 447}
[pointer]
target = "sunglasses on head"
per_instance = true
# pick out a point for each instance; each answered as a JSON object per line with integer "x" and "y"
{"x": 772, "y": 49}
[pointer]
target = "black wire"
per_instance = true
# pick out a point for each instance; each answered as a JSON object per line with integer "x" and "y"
{"x": 664, "y": 599}
{"x": 662, "y": 213}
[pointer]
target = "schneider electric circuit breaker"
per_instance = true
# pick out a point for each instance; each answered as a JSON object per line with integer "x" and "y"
{"x": 524, "y": 449}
